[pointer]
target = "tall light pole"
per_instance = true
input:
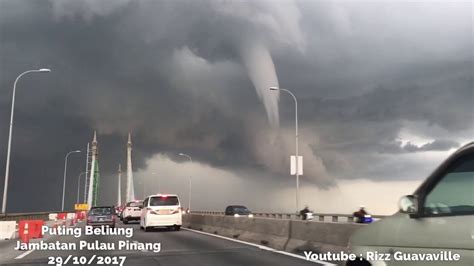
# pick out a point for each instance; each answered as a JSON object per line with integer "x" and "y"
{"x": 190, "y": 182}
{"x": 119, "y": 188}
{"x": 65, "y": 171}
{"x": 296, "y": 139}
{"x": 7, "y": 167}
{"x": 87, "y": 172}
{"x": 79, "y": 185}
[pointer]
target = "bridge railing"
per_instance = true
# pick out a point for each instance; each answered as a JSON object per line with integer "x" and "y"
{"x": 26, "y": 216}
{"x": 317, "y": 217}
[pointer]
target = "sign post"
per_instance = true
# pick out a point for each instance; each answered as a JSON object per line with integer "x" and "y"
{"x": 294, "y": 164}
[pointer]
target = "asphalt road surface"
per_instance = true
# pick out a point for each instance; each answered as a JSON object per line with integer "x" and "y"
{"x": 177, "y": 248}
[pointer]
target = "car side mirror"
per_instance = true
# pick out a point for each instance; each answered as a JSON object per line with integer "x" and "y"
{"x": 409, "y": 205}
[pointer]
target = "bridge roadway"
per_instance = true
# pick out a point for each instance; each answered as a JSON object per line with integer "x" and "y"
{"x": 183, "y": 247}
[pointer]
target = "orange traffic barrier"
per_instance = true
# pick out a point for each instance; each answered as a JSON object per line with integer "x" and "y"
{"x": 30, "y": 229}
{"x": 24, "y": 232}
{"x": 35, "y": 228}
{"x": 80, "y": 215}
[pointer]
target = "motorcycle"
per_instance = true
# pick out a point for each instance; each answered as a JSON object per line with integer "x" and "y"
{"x": 367, "y": 219}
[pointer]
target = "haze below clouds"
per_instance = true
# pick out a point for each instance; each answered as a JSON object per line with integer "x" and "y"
{"x": 385, "y": 93}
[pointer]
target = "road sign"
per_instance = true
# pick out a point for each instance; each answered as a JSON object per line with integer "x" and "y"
{"x": 81, "y": 207}
{"x": 293, "y": 165}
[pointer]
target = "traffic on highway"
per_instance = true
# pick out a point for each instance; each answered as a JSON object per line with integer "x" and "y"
{"x": 237, "y": 132}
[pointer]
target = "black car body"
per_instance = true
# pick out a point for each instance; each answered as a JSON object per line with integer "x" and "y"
{"x": 238, "y": 210}
{"x": 98, "y": 216}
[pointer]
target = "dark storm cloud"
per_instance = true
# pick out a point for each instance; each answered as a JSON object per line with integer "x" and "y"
{"x": 436, "y": 145}
{"x": 173, "y": 73}
{"x": 440, "y": 145}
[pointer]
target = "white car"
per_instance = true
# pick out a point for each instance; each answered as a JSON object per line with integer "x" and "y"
{"x": 161, "y": 210}
{"x": 132, "y": 211}
{"x": 435, "y": 225}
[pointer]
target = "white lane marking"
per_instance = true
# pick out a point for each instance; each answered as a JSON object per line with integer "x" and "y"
{"x": 263, "y": 247}
{"x": 21, "y": 256}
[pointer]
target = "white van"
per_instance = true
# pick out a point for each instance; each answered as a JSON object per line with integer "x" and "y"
{"x": 436, "y": 222}
{"x": 161, "y": 210}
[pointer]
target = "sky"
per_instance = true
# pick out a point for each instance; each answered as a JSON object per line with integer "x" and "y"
{"x": 384, "y": 89}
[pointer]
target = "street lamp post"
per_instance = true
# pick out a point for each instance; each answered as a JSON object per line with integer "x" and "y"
{"x": 65, "y": 171}
{"x": 79, "y": 185}
{"x": 87, "y": 172}
{"x": 190, "y": 182}
{"x": 296, "y": 140}
{"x": 7, "y": 167}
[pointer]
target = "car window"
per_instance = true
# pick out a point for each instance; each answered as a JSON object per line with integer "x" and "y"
{"x": 164, "y": 201}
{"x": 454, "y": 193}
{"x": 101, "y": 211}
{"x": 145, "y": 202}
{"x": 134, "y": 204}
{"x": 241, "y": 210}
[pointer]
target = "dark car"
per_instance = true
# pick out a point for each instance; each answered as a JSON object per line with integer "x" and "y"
{"x": 120, "y": 210}
{"x": 238, "y": 210}
{"x": 101, "y": 216}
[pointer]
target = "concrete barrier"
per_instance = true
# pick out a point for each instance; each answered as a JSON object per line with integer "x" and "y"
{"x": 320, "y": 236}
{"x": 321, "y": 217}
{"x": 7, "y": 230}
{"x": 282, "y": 234}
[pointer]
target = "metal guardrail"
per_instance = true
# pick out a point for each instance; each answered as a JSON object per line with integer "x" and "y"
{"x": 318, "y": 217}
{"x": 26, "y": 215}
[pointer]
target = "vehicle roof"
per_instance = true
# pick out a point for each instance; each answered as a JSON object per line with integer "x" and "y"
{"x": 160, "y": 194}
{"x": 236, "y": 206}
{"x": 465, "y": 147}
{"x": 134, "y": 201}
